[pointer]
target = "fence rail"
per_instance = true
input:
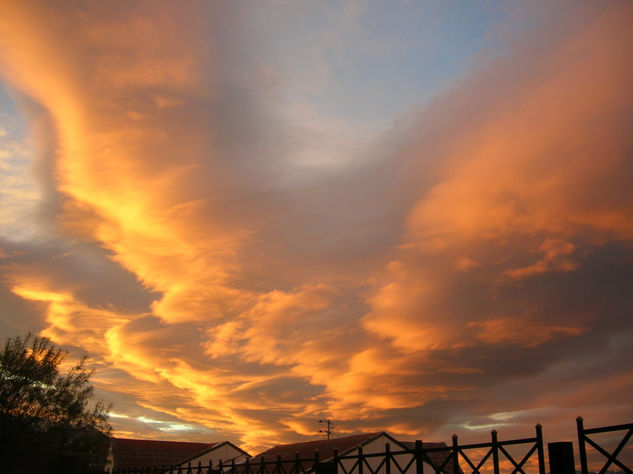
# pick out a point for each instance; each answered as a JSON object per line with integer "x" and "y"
{"x": 612, "y": 458}
{"x": 496, "y": 447}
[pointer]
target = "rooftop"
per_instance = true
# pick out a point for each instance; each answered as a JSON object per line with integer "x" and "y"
{"x": 139, "y": 452}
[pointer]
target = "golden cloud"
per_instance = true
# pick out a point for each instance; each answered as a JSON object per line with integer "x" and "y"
{"x": 528, "y": 186}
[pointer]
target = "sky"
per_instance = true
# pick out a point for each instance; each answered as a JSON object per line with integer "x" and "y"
{"x": 406, "y": 216}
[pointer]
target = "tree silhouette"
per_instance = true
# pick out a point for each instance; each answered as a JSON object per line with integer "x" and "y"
{"x": 42, "y": 408}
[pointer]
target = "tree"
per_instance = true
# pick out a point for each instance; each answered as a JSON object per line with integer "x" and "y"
{"x": 42, "y": 408}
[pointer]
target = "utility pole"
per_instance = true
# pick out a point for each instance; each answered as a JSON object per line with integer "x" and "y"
{"x": 327, "y": 428}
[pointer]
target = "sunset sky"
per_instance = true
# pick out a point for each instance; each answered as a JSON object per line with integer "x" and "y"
{"x": 405, "y": 216}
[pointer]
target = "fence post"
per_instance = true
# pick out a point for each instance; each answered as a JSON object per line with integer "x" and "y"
{"x": 210, "y": 468}
{"x": 262, "y": 467}
{"x": 387, "y": 458}
{"x": 360, "y": 460}
{"x": 336, "y": 461}
{"x": 419, "y": 466}
{"x": 495, "y": 451}
{"x": 455, "y": 454}
{"x": 233, "y": 466}
{"x": 279, "y": 464}
{"x": 297, "y": 463}
{"x": 561, "y": 458}
{"x": 316, "y": 462}
{"x": 581, "y": 445}
{"x": 540, "y": 448}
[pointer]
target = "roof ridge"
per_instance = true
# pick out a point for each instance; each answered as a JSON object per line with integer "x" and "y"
{"x": 331, "y": 439}
{"x": 167, "y": 441}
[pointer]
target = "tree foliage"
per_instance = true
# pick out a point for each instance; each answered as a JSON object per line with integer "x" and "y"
{"x": 42, "y": 408}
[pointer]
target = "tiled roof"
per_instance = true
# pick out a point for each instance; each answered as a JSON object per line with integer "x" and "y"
{"x": 129, "y": 453}
{"x": 306, "y": 449}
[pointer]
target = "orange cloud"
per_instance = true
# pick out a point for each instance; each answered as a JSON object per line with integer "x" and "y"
{"x": 520, "y": 331}
{"x": 556, "y": 257}
{"x": 128, "y": 183}
{"x": 274, "y": 329}
{"x": 128, "y": 167}
{"x": 69, "y": 319}
{"x": 530, "y": 182}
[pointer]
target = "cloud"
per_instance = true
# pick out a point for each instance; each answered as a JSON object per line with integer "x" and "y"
{"x": 534, "y": 175}
{"x": 18, "y": 194}
{"x": 519, "y": 331}
{"x": 556, "y": 257}
{"x": 247, "y": 267}
{"x": 529, "y": 156}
